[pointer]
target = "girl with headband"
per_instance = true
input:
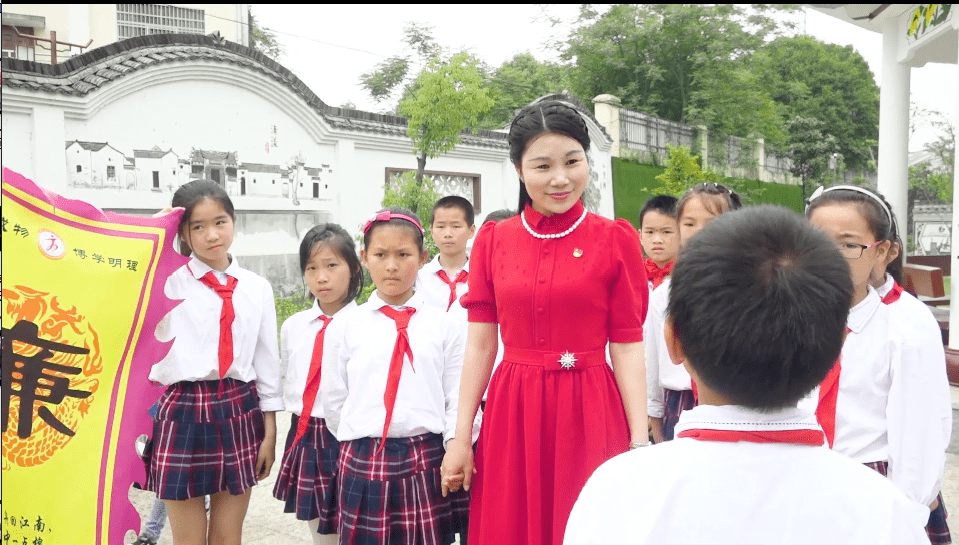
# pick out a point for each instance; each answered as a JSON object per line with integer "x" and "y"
{"x": 390, "y": 387}
{"x": 562, "y": 283}
{"x": 886, "y": 402}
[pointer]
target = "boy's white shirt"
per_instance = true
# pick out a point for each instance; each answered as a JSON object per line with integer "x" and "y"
{"x": 193, "y": 326}
{"x": 661, "y": 372}
{"x": 436, "y": 293}
{"x": 297, "y": 337}
{"x": 894, "y": 403}
{"x": 356, "y": 359}
{"x": 737, "y": 493}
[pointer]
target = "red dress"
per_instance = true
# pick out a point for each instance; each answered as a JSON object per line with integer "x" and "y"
{"x": 550, "y": 419}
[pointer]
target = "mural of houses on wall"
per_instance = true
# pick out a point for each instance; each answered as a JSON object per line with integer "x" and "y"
{"x": 156, "y": 169}
{"x": 100, "y": 165}
{"x": 96, "y": 164}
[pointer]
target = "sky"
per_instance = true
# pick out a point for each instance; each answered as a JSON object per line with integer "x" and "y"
{"x": 330, "y": 46}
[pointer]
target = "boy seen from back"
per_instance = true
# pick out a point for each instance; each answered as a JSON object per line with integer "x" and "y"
{"x": 757, "y": 314}
{"x": 444, "y": 279}
{"x": 659, "y": 235}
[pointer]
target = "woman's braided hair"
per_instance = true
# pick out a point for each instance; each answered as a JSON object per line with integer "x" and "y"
{"x": 546, "y": 116}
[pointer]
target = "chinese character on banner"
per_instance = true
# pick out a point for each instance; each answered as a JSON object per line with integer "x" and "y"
{"x": 78, "y": 342}
{"x": 27, "y": 372}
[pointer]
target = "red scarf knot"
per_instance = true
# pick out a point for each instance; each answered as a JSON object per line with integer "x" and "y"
{"x": 227, "y": 315}
{"x": 402, "y": 346}
{"x": 655, "y": 274}
{"x": 828, "y": 395}
{"x": 312, "y": 380}
{"x": 460, "y": 279}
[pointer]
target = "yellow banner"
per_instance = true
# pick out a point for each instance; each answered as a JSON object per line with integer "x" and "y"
{"x": 82, "y": 293}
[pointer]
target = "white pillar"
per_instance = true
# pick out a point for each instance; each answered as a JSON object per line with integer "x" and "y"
{"x": 954, "y": 296}
{"x": 894, "y": 124}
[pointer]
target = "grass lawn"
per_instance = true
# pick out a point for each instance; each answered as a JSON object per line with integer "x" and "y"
{"x": 946, "y": 282}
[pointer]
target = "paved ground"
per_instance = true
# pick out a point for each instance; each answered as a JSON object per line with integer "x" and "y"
{"x": 267, "y": 524}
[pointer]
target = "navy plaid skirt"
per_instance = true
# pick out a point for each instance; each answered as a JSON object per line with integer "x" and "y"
{"x": 204, "y": 442}
{"x": 395, "y": 498}
{"x": 676, "y": 402}
{"x": 307, "y": 478}
{"x": 936, "y": 528}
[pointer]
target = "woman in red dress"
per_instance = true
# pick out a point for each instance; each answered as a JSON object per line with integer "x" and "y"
{"x": 560, "y": 282}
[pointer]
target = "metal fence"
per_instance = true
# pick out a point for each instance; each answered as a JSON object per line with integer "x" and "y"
{"x": 643, "y": 132}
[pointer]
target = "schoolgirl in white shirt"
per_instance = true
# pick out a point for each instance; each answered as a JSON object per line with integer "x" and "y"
{"x": 390, "y": 387}
{"x": 669, "y": 390}
{"x": 215, "y": 429}
{"x": 307, "y": 478}
{"x": 915, "y": 321}
{"x": 886, "y": 402}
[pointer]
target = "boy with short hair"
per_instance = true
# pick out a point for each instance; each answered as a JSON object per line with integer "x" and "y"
{"x": 443, "y": 280}
{"x": 757, "y": 314}
{"x": 659, "y": 235}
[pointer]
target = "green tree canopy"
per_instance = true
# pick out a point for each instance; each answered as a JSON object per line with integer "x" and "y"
{"x": 519, "y": 81}
{"x": 447, "y": 97}
{"x": 680, "y": 62}
{"x": 811, "y": 79}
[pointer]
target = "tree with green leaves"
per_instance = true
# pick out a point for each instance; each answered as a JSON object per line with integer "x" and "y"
{"x": 681, "y": 62}
{"x": 811, "y": 79}
{"x": 519, "y": 81}
{"x": 264, "y": 40}
{"x": 810, "y": 149}
{"x": 447, "y": 97}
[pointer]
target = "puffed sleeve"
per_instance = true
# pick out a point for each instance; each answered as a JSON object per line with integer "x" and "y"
{"x": 629, "y": 292}
{"x": 266, "y": 357}
{"x": 480, "y": 301}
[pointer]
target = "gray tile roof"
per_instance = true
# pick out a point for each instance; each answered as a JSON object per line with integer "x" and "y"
{"x": 99, "y": 67}
{"x": 151, "y": 153}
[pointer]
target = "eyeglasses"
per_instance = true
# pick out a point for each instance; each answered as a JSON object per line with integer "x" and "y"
{"x": 851, "y": 250}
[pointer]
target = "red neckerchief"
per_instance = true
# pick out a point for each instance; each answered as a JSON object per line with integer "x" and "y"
{"x": 402, "y": 346}
{"x": 799, "y": 437}
{"x": 460, "y": 279}
{"x": 893, "y": 294}
{"x": 828, "y": 395}
{"x": 655, "y": 274}
{"x": 312, "y": 380}
{"x": 227, "y": 315}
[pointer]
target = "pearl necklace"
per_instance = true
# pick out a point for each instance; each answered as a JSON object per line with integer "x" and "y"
{"x": 556, "y": 235}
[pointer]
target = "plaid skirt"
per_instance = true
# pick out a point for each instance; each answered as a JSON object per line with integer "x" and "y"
{"x": 676, "y": 402}
{"x": 204, "y": 442}
{"x": 395, "y": 498}
{"x": 307, "y": 477}
{"x": 936, "y": 528}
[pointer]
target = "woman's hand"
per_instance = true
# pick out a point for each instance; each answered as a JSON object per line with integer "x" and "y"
{"x": 457, "y": 469}
{"x": 267, "y": 453}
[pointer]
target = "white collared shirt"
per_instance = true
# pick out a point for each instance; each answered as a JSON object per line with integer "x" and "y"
{"x": 737, "y": 493}
{"x": 436, "y": 293}
{"x": 894, "y": 403}
{"x": 661, "y": 372}
{"x": 356, "y": 360}
{"x": 194, "y": 328}
{"x": 297, "y": 337}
